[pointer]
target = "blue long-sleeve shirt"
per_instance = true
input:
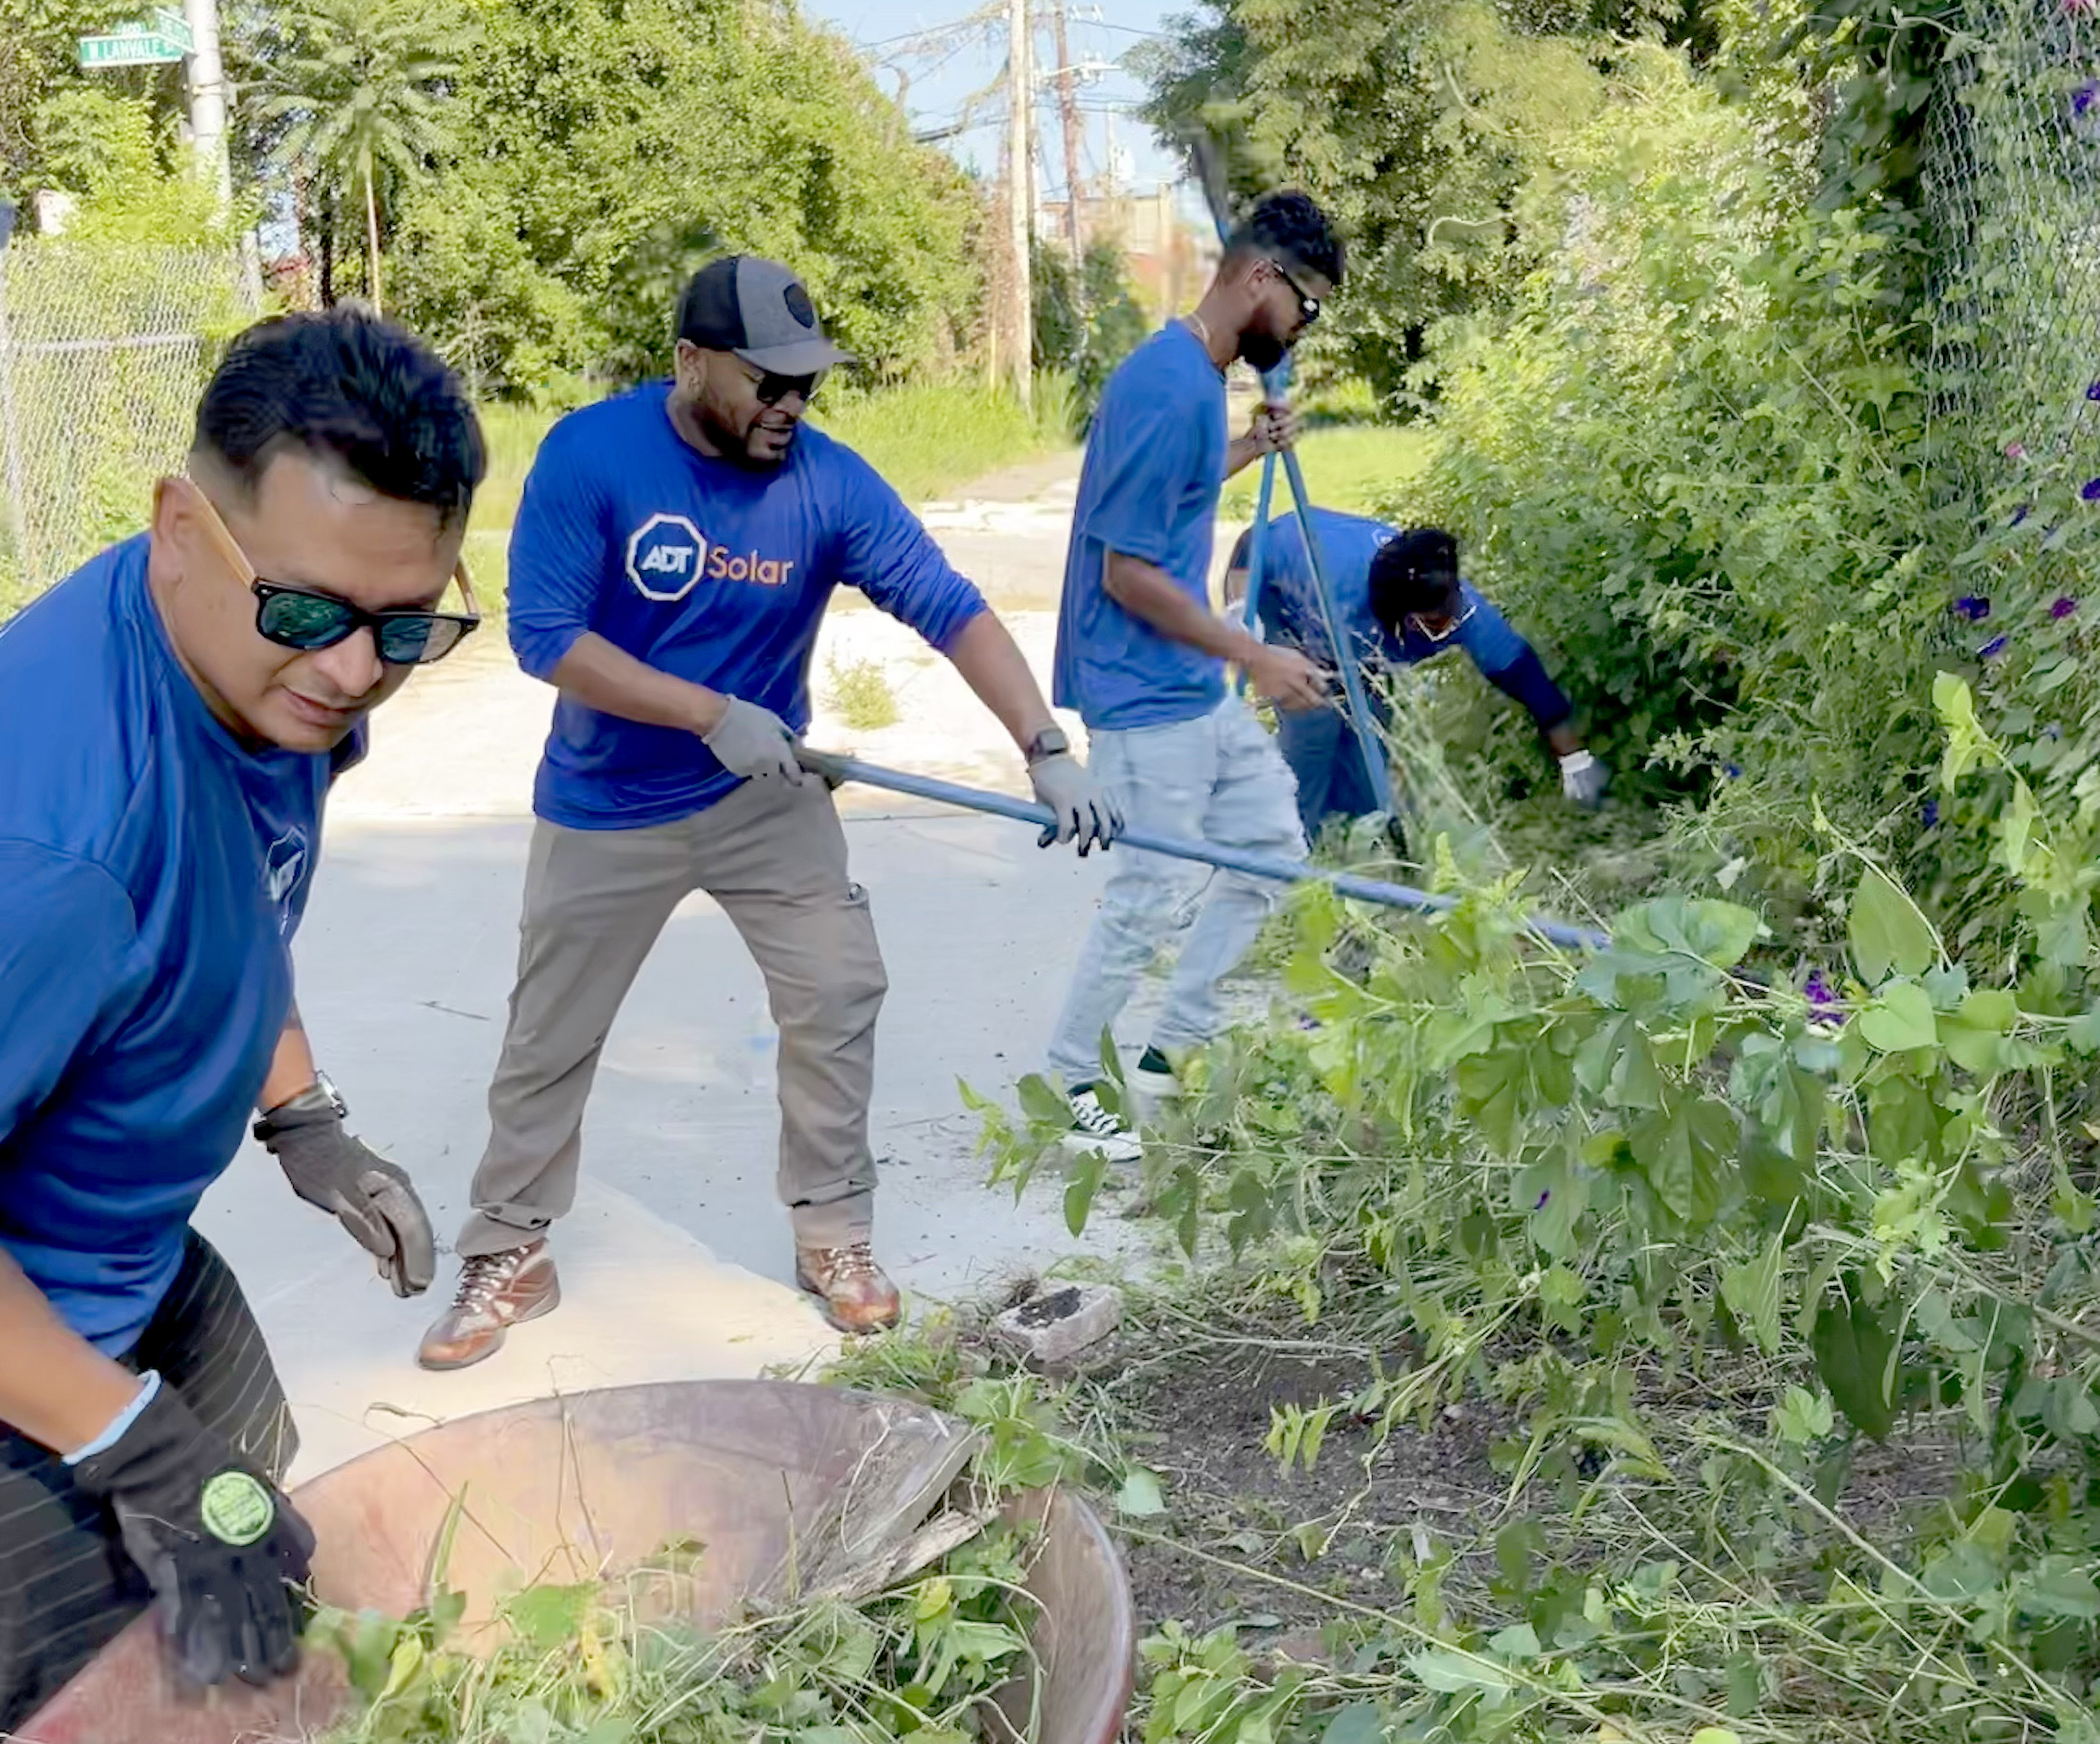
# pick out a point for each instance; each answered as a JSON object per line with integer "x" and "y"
{"x": 1290, "y": 614}
{"x": 705, "y": 569}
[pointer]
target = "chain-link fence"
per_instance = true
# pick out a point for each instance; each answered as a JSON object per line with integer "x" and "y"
{"x": 2011, "y": 174}
{"x": 103, "y": 348}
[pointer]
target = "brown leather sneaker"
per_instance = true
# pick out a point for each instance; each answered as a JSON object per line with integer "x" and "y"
{"x": 857, "y": 1295}
{"x": 497, "y": 1292}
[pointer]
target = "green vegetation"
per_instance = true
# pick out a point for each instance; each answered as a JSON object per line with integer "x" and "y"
{"x": 1363, "y": 469}
{"x": 859, "y": 691}
{"x": 928, "y": 437}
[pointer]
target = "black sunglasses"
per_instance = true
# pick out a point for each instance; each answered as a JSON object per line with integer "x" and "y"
{"x": 295, "y": 617}
{"x": 1308, "y": 307}
{"x": 772, "y": 389}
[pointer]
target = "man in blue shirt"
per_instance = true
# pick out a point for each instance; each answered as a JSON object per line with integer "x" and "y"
{"x": 171, "y": 716}
{"x": 1400, "y": 600}
{"x": 1142, "y": 657}
{"x": 674, "y": 551}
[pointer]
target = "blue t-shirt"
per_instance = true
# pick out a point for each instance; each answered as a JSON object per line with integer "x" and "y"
{"x": 1290, "y": 609}
{"x": 1148, "y": 488}
{"x": 703, "y": 570}
{"x": 155, "y": 871}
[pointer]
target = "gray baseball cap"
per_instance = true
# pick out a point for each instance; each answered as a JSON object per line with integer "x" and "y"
{"x": 758, "y": 310}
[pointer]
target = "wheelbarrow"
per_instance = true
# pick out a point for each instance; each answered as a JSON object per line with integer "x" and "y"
{"x": 782, "y": 1486}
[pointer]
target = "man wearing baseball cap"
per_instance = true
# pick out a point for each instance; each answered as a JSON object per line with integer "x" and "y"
{"x": 673, "y": 553}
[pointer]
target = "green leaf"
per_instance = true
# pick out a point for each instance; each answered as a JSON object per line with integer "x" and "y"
{"x": 1803, "y": 1416}
{"x": 1752, "y": 1291}
{"x": 1041, "y": 1102}
{"x": 1088, "y": 1172}
{"x": 1518, "y": 1641}
{"x": 1719, "y": 933}
{"x": 2062, "y": 1590}
{"x": 1852, "y": 1351}
{"x": 548, "y": 1617}
{"x": 1448, "y": 1671}
{"x": 1901, "y": 1020}
{"x": 1140, "y": 1495}
{"x": 1359, "y": 1723}
{"x": 1887, "y": 931}
{"x": 1974, "y": 1035}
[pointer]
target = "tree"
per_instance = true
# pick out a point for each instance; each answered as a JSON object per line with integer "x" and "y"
{"x": 1416, "y": 125}
{"x": 361, "y": 83}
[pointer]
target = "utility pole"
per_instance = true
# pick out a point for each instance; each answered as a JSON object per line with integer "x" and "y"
{"x": 1068, "y": 104}
{"x": 1020, "y": 177}
{"x": 207, "y": 83}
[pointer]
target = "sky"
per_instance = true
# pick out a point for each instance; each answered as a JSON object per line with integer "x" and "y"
{"x": 940, "y": 78}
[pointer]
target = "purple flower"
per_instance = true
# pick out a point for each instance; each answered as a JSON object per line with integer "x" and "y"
{"x": 1931, "y": 814}
{"x": 2093, "y": 391}
{"x": 1732, "y": 771}
{"x": 2082, "y": 99}
{"x": 1973, "y": 607}
{"x": 1993, "y": 648}
{"x": 1825, "y": 1006}
{"x": 2090, "y": 489}
{"x": 1542, "y": 1199}
{"x": 2022, "y": 512}
{"x": 2063, "y": 608}
{"x": 2017, "y": 451}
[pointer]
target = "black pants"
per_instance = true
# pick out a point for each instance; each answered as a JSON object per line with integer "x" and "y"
{"x": 66, "y": 1586}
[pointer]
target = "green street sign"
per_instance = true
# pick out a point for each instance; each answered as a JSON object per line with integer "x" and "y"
{"x": 170, "y": 26}
{"x": 136, "y": 44}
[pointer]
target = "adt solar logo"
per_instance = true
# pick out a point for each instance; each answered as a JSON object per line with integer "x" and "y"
{"x": 665, "y": 556}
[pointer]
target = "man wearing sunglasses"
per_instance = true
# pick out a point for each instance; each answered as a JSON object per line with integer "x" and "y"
{"x": 1142, "y": 657}
{"x": 674, "y": 551}
{"x": 1400, "y": 600}
{"x": 171, "y": 716}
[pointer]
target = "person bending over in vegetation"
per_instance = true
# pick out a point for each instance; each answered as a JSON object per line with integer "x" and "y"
{"x": 1142, "y": 657}
{"x": 170, "y": 722}
{"x": 674, "y": 551}
{"x": 1400, "y": 600}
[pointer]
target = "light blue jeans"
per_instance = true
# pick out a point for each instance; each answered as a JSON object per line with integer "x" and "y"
{"x": 1218, "y": 778}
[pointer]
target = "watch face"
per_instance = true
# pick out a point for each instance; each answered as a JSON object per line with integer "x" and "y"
{"x": 1050, "y": 742}
{"x": 326, "y": 1085}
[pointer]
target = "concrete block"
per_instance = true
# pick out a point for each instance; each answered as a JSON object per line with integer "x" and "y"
{"x": 1058, "y": 1325}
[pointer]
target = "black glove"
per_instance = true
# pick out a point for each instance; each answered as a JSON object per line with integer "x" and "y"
{"x": 375, "y": 1200}
{"x": 225, "y": 1553}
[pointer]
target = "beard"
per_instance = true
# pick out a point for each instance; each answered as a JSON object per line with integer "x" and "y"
{"x": 737, "y": 450}
{"x": 1261, "y": 351}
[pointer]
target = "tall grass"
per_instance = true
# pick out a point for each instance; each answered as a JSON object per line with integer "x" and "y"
{"x": 1352, "y": 467}
{"x": 928, "y": 437}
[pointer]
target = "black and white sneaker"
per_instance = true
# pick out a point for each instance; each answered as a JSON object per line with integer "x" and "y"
{"x": 1155, "y": 1077}
{"x": 1096, "y": 1130}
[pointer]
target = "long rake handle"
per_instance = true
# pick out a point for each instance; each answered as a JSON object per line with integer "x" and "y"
{"x": 835, "y": 769}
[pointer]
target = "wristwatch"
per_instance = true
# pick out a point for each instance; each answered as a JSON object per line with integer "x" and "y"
{"x": 1051, "y": 741}
{"x": 321, "y": 1094}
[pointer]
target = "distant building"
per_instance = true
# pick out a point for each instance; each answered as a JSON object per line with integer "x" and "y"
{"x": 1170, "y": 256}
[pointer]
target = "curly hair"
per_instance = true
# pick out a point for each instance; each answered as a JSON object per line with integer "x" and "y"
{"x": 1416, "y": 572}
{"x": 1291, "y": 224}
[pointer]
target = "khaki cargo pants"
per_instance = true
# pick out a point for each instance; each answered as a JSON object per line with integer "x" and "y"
{"x": 774, "y": 857}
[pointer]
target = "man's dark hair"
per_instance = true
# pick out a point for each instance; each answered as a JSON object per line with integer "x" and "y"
{"x": 1240, "y": 548}
{"x": 1292, "y": 225}
{"x": 346, "y": 384}
{"x": 1417, "y": 571}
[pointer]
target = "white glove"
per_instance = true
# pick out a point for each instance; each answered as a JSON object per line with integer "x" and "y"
{"x": 754, "y": 741}
{"x": 1583, "y": 780}
{"x": 1084, "y": 812}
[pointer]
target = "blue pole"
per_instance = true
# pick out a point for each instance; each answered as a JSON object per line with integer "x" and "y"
{"x": 1276, "y": 389}
{"x": 835, "y": 769}
{"x": 1368, "y": 742}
